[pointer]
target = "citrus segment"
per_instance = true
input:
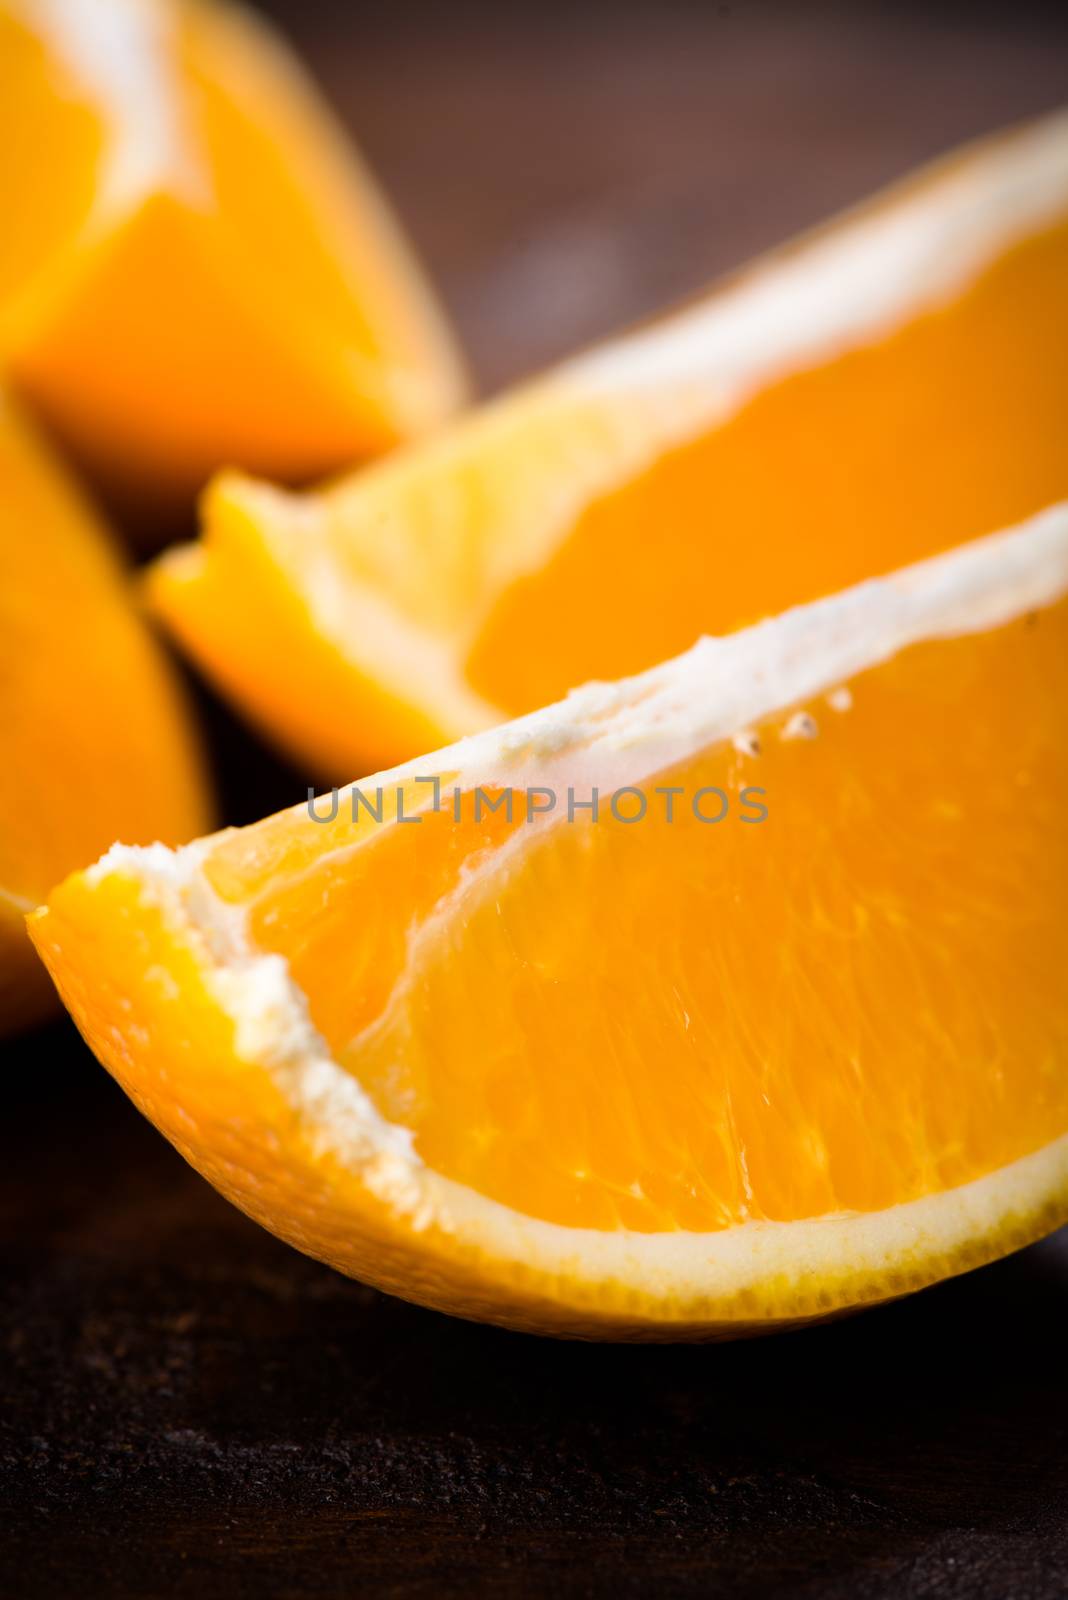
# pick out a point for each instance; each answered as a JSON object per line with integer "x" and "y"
{"x": 779, "y": 1030}
{"x": 212, "y": 277}
{"x": 889, "y": 387}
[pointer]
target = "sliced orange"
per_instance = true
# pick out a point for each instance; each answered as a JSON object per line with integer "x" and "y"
{"x": 888, "y": 387}
{"x": 781, "y": 1030}
{"x": 208, "y": 276}
{"x": 95, "y": 744}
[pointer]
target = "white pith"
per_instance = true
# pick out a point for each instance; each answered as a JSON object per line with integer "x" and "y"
{"x": 627, "y": 733}
{"x": 535, "y": 460}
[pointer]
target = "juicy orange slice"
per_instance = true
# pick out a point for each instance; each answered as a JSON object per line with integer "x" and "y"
{"x": 94, "y": 741}
{"x": 780, "y": 1030}
{"x": 888, "y": 387}
{"x": 208, "y": 276}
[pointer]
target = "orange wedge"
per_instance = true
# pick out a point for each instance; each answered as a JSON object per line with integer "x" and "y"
{"x": 208, "y": 276}
{"x": 886, "y": 388}
{"x": 780, "y": 1030}
{"x": 94, "y": 741}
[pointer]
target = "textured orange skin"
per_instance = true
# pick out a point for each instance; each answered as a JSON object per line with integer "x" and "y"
{"x": 94, "y": 735}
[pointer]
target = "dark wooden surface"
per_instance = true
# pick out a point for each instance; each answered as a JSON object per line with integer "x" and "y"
{"x": 190, "y": 1408}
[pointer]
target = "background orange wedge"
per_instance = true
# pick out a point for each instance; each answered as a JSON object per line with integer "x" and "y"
{"x": 95, "y": 744}
{"x": 790, "y": 1044}
{"x": 884, "y": 388}
{"x": 208, "y": 275}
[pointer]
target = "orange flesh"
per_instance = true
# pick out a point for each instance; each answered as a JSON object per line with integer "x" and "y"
{"x": 96, "y": 741}
{"x": 252, "y": 115}
{"x": 57, "y": 137}
{"x": 95, "y": 737}
{"x": 944, "y": 431}
{"x": 854, "y": 1003}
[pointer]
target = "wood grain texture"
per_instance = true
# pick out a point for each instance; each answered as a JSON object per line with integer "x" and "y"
{"x": 191, "y": 1409}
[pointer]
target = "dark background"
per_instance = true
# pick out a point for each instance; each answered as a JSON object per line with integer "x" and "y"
{"x": 568, "y": 166}
{"x": 191, "y": 1408}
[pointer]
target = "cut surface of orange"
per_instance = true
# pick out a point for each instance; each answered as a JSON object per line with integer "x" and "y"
{"x": 208, "y": 276}
{"x": 95, "y": 744}
{"x": 890, "y": 386}
{"x": 777, "y": 1030}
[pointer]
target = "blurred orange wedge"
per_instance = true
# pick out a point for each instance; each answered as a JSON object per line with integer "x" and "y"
{"x": 208, "y": 276}
{"x": 888, "y": 387}
{"x": 94, "y": 741}
{"x": 780, "y": 1031}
